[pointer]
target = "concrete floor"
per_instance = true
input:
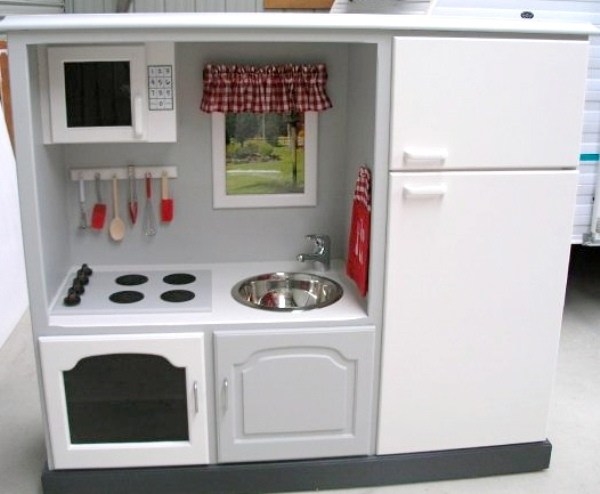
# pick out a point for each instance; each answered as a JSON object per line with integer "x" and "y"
{"x": 574, "y": 427}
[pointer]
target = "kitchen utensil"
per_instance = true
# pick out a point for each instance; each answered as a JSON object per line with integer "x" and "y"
{"x": 83, "y": 224}
{"x": 149, "y": 220}
{"x": 132, "y": 204}
{"x": 166, "y": 204}
{"x": 99, "y": 210}
{"x": 117, "y": 225}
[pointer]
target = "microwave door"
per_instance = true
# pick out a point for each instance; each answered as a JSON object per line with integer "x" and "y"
{"x": 97, "y": 93}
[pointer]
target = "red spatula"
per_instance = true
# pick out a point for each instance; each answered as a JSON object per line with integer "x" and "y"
{"x": 99, "y": 210}
{"x": 166, "y": 204}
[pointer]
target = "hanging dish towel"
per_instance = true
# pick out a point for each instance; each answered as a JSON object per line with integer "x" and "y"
{"x": 357, "y": 266}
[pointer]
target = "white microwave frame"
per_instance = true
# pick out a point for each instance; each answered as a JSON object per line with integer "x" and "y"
{"x": 147, "y": 125}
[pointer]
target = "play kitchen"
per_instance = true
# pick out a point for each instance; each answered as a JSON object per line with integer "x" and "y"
{"x": 399, "y": 326}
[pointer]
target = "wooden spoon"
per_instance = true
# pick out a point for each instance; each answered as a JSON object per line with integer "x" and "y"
{"x": 117, "y": 225}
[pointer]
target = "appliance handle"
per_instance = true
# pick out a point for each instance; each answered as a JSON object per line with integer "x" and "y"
{"x": 196, "y": 403}
{"x": 225, "y": 394}
{"x": 138, "y": 117}
{"x": 424, "y": 191}
{"x": 425, "y": 157}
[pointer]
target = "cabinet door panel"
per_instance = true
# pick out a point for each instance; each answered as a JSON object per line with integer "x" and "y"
{"x": 487, "y": 103}
{"x": 473, "y": 302}
{"x": 280, "y": 396}
{"x": 288, "y": 395}
{"x": 125, "y": 400}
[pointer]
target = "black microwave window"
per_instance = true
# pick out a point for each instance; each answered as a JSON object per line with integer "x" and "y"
{"x": 98, "y": 94}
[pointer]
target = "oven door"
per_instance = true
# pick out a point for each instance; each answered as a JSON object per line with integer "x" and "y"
{"x": 125, "y": 400}
{"x": 97, "y": 93}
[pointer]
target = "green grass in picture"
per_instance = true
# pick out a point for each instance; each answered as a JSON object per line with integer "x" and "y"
{"x": 259, "y": 164}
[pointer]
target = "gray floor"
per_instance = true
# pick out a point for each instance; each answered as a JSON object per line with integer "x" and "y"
{"x": 574, "y": 427}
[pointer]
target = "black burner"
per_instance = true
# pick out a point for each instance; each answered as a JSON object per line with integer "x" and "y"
{"x": 132, "y": 279}
{"x": 126, "y": 297}
{"x": 179, "y": 279}
{"x": 177, "y": 296}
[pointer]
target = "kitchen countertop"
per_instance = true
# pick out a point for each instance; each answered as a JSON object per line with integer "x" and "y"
{"x": 288, "y": 21}
{"x": 224, "y": 310}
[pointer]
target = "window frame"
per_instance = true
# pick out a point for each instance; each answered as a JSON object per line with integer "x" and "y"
{"x": 221, "y": 200}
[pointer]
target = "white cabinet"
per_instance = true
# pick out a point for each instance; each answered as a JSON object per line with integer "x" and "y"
{"x": 125, "y": 400}
{"x": 476, "y": 269}
{"x": 294, "y": 394}
{"x": 486, "y": 102}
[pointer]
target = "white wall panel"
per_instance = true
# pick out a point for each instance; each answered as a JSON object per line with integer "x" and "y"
{"x": 13, "y": 288}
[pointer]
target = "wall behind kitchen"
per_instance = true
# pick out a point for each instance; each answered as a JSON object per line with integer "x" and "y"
{"x": 200, "y": 233}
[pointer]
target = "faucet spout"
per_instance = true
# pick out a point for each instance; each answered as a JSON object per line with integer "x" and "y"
{"x": 321, "y": 253}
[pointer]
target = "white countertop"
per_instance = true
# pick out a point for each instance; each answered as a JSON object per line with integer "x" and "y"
{"x": 272, "y": 21}
{"x": 224, "y": 309}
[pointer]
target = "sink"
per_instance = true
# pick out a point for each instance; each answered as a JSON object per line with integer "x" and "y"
{"x": 287, "y": 291}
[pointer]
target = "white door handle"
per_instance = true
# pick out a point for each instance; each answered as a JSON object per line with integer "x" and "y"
{"x": 425, "y": 158}
{"x": 424, "y": 191}
{"x": 138, "y": 117}
{"x": 196, "y": 404}
{"x": 225, "y": 394}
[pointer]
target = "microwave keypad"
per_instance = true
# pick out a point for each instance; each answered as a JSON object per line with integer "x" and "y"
{"x": 160, "y": 87}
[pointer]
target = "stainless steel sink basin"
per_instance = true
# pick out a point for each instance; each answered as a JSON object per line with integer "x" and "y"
{"x": 287, "y": 291}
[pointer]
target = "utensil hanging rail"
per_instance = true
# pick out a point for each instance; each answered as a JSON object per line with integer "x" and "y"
{"x": 121, "y": 173}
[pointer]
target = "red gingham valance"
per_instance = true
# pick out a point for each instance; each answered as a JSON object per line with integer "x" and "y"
{"x": 265, "y": 89}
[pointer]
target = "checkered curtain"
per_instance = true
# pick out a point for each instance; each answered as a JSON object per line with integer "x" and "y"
{"x": 265, "y": 89}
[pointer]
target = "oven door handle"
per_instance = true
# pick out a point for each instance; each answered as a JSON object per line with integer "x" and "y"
{"x": 225, "y": 394}
{"x": 196, "y": 402}
{"x": 138, "y": 117}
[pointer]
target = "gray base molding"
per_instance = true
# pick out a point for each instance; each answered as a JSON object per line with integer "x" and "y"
{"x": 304, "y": 475}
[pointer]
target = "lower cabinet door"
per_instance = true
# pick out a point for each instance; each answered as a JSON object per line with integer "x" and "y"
{"x": 125, "y": 400}
{"x": 294, "y": 394}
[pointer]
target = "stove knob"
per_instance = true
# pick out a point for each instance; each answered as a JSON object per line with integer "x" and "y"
{"x": 72, "y": 298}
{"x": 77, "y": 286}
{"x": 86, "y": 270}
{"x": 82, "y": 277}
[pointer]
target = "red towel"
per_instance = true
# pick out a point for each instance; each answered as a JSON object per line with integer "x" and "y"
{"x": 357, "y": 265}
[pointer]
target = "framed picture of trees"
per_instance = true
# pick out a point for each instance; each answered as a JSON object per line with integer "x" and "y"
{"x": 264, "y": 159}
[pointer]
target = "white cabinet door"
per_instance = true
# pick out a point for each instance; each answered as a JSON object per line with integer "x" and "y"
{"x": 476, "y": 273}
{"x": 487, "y": 103}
{"x": 294, "y": 394}
{"x": 125, "y": 400}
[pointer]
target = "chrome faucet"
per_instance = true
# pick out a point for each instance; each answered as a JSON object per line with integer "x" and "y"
{"x": 321, "y": 252}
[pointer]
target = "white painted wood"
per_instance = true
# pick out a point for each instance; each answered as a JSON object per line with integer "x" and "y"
{"x": 60, "y": 354}
{"x": 147, "y": 125}
{"x": 480, "y": 100}
{"x": 308, "y": 23}
{"x": 293, "y": 394}
{"x": 473, "y": 301}
{"x": 122, "y": 173}
{"x": 57, "y": 57}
